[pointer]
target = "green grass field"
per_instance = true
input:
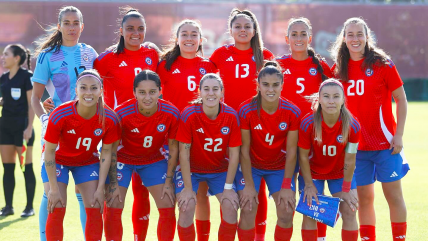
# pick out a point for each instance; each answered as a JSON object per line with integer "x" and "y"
{"x": 414, "y": 185}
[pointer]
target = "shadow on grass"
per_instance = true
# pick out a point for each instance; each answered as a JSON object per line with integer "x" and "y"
{"x": 4, "y": 222}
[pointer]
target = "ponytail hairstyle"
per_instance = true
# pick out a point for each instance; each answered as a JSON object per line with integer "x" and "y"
{"x": 127, "y": 12}
{"x": 172, "y": 50}
{"x": 316, "y": 58}
{"x": 23, "y": 53}
{"x": 147, "y": 75}
{"x": 53, "y": 41}
{"x": 340, "y": 52}
{"x": 345, "y": 114}
{"x": 94, "y": 74}
{"x": 198, "y": 100}
{"x": 269, "y": 68}
{"x": 256, "y": 41}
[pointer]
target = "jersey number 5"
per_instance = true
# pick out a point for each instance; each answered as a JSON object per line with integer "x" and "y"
{"x": 210, "y": 142}
{"x": 85, "y": 142}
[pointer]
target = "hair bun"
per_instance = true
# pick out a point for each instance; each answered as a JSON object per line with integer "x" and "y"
{"x": 271, "y": 63}
{"x": 131, "y": 10}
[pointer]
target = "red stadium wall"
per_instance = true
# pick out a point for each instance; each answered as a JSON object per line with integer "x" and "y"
{"x": 401, "y": 30}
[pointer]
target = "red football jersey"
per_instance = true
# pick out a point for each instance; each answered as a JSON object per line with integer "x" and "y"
{"x": 368, "y": 95}
{"x": 180, "y": 85}
{"x": 143, "y": 137}
{"x": 328, "y": 158}
{"x": 209, "y": 138}
{"x": 301, "y": 79}
{"x": 238, "y": 71}
{"x": 119, "y": 70}
{"x": 77, "y": 138}
{"x": 269, "y": 132}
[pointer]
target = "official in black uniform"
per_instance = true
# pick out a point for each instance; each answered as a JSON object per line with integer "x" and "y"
{"x": 16, "y": 124}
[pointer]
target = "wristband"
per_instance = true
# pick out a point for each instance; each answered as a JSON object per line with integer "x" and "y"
{"x": 228, "y": 186}
{"x": 346, "y": 186}
{"x": 286, "y": 183}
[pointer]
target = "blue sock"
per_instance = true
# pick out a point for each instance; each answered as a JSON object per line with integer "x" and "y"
{"x": 43, "y": 217}
{"x": 82, "y": 212}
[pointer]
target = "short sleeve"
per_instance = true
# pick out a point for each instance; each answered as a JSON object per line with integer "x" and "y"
{"x": 112, "y": 132}
{"x": 53, "y": 131}
{"x": 42, "y": 71}
{"x": 305, "y": 136}
{"x": 27, "y": 82}
{"x": 101, "y": 65}
{"x": 294, "y": 122}
{"x": 184, "y": 133}
{"x": 235, "y": 134}
{"x": 215, "y": 57}
{"x": 392, "y": 78}
{"x": 327, "y": 71}
{"x": 173, "y": 129}
{"x": 354, "y": 136}
{"x": 268, "y": 55}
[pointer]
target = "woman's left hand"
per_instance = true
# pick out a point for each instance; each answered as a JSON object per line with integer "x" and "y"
{"x": 168, "y": 190}
{"x": 288, "y": 197}
{"x": 112, "y": 194}
{"x": 397, "y": 144}
{"x": 27, "y": 134}
{"x": 98, "y": 198}
{"x": 232, "y": 196}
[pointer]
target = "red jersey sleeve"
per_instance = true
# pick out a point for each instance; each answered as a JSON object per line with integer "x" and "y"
{"x": 295, "y": 121}
{"x": 111, "y": 126}
{"x": 53, "y": 131}
{"x": 235, "y": 134}
{"x": 215, "y": 57}
{"x": 355, "y": 130}
{"x": 268, "y": 55}
{"x": 244, "y": 121}
{"x": 327, "y": 71}
{"x": 305, "y": 131}
{"x": 101, "y": 63}
{"x": 173, "y": 129}
{"x": 184, "y": 133}
{"x": 392, "y": 78}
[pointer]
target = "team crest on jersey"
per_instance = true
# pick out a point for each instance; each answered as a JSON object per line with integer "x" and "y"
{"x": 322, "y": 210}
{"x": 339, "y": 138}
{"x": 369, "y": 72}
{"x": 202, "y": 71}
{"x": 180, "y": 183}
{"x": 149, "y": 61}
{"x": 225, "y": 130}
{"x": 85, "y": 57}
{"x": 282, "y": 126}
{"x": 254, "y": 59}
{"x": 313, "y": 71}
{"x": 161, "y": 127}
{"x": 242, "y": 182}
{"x": 58, "y": 172}
{"x": 98, "y": 132}
{"x": 119, "y": 176}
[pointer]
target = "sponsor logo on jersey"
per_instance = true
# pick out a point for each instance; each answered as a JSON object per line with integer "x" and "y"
{"x": 176, "y": 71}
{"x": 322, "y": 210}
{"x": 98, "y": 132}
{"x": 149, "y": 61}
{"x": 369, "y": 72}
{"x": 15, "y": 93}
{"x": 287, "y": 71}
{"x": 161, "y": 127}
{"x": 94, "y": 174}
{"x": 394, "y": 174}
{"x": 135, "y": 130}
{"x": 243, "y": 181}
{"x": 71, "y": 131}
{"x": 339, "y": 138}
{"x": 180, "y": 183}
{"x": 200, "y": 130}
{"x": 119, "y": 176}
{"x": 123, "y": 64}
{"x": 258, "y": 127}
{"x": 312, "y": 71}
{"x": 229, "y": 59}
{"x": 254, "y": 59}
{"x": 64, "y": 64}
{"x": 202, "y": 71}
{"x": 58, "y": 172}
{"x": 225, "y": 130}
{"x": 282, "y": 126}
{"x": 85, "y": 57}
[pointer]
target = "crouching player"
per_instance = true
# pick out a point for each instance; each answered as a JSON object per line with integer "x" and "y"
{"x": 74, "y": 130}
{"x": 268, "y": 123}
{"x": 208, "y": 129}
{"x": 332, "y": 134}
{"x": 147, "y": 123}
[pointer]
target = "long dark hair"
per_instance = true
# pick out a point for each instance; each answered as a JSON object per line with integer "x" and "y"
{"x": 127, "y": 12}
{"x": 53, "y": 41}
{"x": 23, "y": 53}
{"x": 269, "y": 68}
{"x": 340, "y": 52}
{"x": 172, "y": 50}
{"x": 256, "y": 41}
{"x": 316, "y": 58}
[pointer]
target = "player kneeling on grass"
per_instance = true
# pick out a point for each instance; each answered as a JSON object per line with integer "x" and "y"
{"x": 328, "y": 141}
{"x": 268, "y": 124}
{"x": 147, "y": 123}
{"x": 74, "y": 130}
{"x": 208, "y": 130}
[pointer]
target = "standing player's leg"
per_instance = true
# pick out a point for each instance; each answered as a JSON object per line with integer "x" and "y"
{"x": 82, "y": 210}
{"x": 30, "y": 179}
{"x": 8, "y": 156}
{"x": 261, "y": 217}
{"x": 203, "y": 224}
{"x": 140, "y": 208}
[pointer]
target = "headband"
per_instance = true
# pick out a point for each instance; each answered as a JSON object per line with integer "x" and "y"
{"x": 330, "y": 81}
{"x": 89, "y": 75}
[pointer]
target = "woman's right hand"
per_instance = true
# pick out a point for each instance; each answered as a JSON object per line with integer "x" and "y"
{"x": 53, "y": 198}
{"x": 184, "y": 198}
{"x": 48, "y": 105}
{"x": 310, "y": 192}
